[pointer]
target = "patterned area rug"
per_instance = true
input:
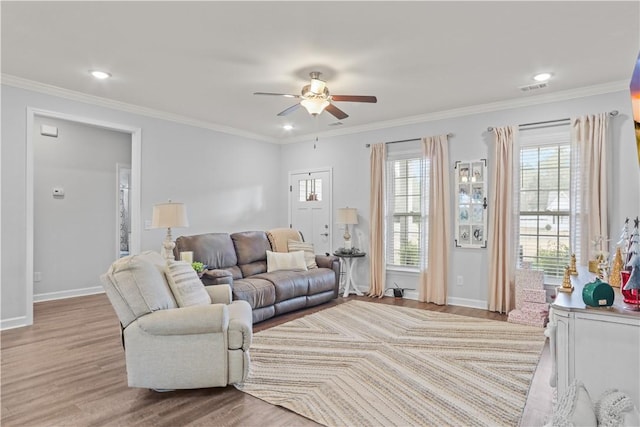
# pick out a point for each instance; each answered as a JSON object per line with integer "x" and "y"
{"x": 369, "y": 364}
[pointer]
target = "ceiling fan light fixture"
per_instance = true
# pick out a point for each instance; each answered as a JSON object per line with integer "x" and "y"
{"x": 314, "y": 106}
{"x": 317, "y": 86}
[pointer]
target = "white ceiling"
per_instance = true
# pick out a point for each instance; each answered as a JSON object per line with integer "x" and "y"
{"x": 203, "y": 60}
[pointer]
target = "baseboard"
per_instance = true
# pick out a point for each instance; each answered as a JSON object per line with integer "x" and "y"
{"x": 466, "y": 302}
{"x": 14, "y": 322}
{"x": 462, "y": 302}
{"x": 49, "y": 296}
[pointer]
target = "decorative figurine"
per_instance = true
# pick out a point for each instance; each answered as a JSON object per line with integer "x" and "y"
{"x": 573, "y": 270}
{"x": 616, "y": 268}
{"x": 566, "y": 281}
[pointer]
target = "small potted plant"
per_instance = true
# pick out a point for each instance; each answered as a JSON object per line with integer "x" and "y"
{"x": 198, "y": 267}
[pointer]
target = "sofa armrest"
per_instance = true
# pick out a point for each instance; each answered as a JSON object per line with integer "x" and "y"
{"x": 217, "y": 277}
{"x": 219, "y": 294}
{"x": 328, "y": 261}
{"x": 240, "y": 325}
{"x": 197, "y": 319}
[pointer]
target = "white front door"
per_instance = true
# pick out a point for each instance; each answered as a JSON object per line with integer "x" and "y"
{"x": 310, "y": 207}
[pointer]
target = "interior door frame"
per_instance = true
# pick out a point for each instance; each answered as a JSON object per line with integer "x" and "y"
{"x": 136, "y": 162}
{"x": 119, "y": 168}
{"x": 329, "y": 170}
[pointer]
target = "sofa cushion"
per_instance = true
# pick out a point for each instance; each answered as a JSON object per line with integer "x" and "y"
{"x": 136, "y": 285}
{"x": 251, "y": 251}
{"x": 257, "y": 292}
{"x": 287, "y": 284}
{"x": 307, "y": 248}
{"x": 320, "y": 280}
{"x": 286, "y": 261}
{"x": 279, "y": 237}
{"x": 187, "y": 288}
{"x": 215, "y": 250}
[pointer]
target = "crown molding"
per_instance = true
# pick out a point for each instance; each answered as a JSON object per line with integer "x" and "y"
{"x": 526, "y": 101}
{"x": 475, "y": 109}
{"x": 35, "y": 86}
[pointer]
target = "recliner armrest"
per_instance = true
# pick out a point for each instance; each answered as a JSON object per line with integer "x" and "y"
{"x": 197, "y": 319}
{"x": 219, "y": 294}
{"x": 240, "y": 325}
{"x": 328, "y": 261}
{"x": 217, "y": 277}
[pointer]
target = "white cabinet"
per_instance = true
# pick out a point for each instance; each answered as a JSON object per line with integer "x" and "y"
{"x": 598, "y": 346}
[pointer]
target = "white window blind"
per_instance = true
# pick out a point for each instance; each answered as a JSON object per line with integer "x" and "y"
{"x": 407, "y": 187}
{"x": 545, "y": 210}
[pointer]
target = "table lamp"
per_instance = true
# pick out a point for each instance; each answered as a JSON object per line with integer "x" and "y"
{"x": 347, "y": 216}
{"x": 169, "y": 215}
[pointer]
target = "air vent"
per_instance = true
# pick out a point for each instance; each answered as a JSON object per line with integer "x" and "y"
{"x": 335, "y": 124}
{"x": 534, "y": 86}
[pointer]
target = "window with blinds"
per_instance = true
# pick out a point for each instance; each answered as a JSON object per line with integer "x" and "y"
{"x": 406, "y": 213}
{"x": 544, "y": 198}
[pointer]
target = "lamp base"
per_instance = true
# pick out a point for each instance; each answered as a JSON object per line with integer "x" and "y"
{"x": 167, "y": 246}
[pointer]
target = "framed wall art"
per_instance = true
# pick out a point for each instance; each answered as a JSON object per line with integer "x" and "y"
{"x": 471, "y": 203}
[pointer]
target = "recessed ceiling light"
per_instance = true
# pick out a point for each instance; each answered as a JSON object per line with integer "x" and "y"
{"x": 542, "y": 77}
{"x": 100, "y": 74}
{"x": 287, "y": 127}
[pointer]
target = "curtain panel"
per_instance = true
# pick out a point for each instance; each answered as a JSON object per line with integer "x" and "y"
{"x": 434, "y": 277}
{"x": 376, "y": 228}
{"x": 503, "y": 217}
{"x": 589, "y": 185}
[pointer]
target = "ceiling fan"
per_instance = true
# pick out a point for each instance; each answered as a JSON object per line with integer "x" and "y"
{"x": 315, "y": 98}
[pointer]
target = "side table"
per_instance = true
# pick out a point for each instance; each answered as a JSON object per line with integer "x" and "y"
{"x": 349, "y": 261}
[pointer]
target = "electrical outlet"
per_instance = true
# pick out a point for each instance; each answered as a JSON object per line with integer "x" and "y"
{"x": 460, "y": 280}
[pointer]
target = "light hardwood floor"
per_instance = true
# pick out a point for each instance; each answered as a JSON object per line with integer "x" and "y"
{"x": 68, "y": 370}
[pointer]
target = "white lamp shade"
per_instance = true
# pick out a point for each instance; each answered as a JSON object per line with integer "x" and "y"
{"x": 314, "y": 105}
{"x": 347, "y": 216}
{"x": 169, "y": 215}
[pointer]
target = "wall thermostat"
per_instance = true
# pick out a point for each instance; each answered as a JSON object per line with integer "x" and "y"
{"x": 58, "y": 192}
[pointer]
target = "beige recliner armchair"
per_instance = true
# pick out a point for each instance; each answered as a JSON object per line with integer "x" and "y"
{"x": 167, "y": 347}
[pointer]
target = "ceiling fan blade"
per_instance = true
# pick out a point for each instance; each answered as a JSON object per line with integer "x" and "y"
{"x": 354, "y": 98}
{"x": 336, "y": 112}
{"x": 289, "y": 110}
{"x": 287, "y": 95}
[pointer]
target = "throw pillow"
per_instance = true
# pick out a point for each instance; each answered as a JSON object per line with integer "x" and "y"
{"x": 574, "y": 408}
{"x": 307, "y": 248}
{"x": 186, "y": 285}
{"x": 278, "y": 238}
{"x": 615, "y": 408}
{"x": 285, "y": 261}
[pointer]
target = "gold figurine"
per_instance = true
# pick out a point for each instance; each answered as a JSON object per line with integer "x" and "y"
{"x": 573, "y": 270}
{"x": 566, "y": 281}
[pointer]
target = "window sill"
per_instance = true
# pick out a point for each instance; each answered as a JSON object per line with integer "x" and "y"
{"x": 409, "y": 270}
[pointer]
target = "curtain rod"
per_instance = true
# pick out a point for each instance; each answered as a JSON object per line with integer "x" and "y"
{"x": 611, "y": 113}
{"x": 405, "y": 140}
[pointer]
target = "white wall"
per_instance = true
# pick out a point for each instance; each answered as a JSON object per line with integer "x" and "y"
{"x": 350, "y": 160}
{"x": 228, "y": 183}
{"x": 231, "y": 183}
{"x": 75, "y": 234}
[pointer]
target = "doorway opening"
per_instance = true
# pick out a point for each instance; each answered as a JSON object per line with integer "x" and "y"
{"x": 134, "y": 189}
